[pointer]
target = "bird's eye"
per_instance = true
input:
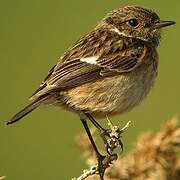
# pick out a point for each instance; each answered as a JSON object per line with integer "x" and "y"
{"x": 133, "y": 22}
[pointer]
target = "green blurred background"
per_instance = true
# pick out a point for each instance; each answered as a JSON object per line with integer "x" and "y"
{"x": 33, "y": 34}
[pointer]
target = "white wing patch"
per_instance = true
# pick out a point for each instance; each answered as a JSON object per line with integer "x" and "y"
{"x": 90, "y": 60}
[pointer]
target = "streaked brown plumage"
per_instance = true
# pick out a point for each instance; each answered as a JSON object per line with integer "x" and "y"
{"x": 108, "y": 71}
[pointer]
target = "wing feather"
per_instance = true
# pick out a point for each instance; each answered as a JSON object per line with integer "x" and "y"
{"x": 114, "y": 57}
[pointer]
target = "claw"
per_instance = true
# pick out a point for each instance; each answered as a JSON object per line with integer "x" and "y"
{"x": 110, "y": 139}
{"x": 121, "y": 145}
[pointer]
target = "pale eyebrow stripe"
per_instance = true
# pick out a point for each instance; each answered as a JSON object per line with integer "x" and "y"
{"x": 116, "y": 30}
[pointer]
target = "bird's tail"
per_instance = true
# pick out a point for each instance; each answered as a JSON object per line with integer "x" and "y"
{"x": 29, "y": 108}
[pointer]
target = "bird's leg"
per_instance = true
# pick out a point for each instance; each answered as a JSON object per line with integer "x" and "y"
{"x": 95, "y": 123}
{"x": 100, "y": 158}
{"x": 109, "y": 136}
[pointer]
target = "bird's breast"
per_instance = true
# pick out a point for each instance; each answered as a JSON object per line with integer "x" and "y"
{"x": 113, "y": 95}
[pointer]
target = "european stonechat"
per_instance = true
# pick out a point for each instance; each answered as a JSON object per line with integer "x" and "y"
{"x": 108, "y": 71}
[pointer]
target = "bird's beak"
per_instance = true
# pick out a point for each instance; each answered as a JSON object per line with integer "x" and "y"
{"x": 161, "y": 24}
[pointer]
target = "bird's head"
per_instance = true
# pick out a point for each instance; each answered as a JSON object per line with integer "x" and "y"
{"x": 135, "y": 22}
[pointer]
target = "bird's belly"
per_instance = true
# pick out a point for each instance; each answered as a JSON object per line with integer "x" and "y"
{"x": 112, "y": 95}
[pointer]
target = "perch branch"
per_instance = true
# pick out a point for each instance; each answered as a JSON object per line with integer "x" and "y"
{"x": 154, "y": 156}
{"x": 112, "y": 139}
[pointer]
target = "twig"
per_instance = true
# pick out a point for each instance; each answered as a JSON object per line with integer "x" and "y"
{"x": 155, "y": 156}
{"x": 94, "y": 169}
{"x": 86, "y": 173}
{"x": 112, "y": 140}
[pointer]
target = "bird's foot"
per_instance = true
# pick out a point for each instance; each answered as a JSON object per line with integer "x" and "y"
{"x": 112, "y": 136}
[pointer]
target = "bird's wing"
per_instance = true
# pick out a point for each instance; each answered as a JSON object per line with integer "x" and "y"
{"x": 92, "y": 58}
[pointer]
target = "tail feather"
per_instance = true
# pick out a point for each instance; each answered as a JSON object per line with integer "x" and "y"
{"x": 29, "y": 108}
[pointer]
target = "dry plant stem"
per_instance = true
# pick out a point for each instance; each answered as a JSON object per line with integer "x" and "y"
{"x": 112, "y": 140}
{"x": 94, "y": 169}
{"x": 86, "y": 173}
{"x": 155, "y": 156}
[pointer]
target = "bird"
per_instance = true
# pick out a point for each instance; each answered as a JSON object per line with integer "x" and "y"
{"x": 107, "y": 72}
